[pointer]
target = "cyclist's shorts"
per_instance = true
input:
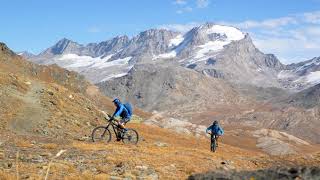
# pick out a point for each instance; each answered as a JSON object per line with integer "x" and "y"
{"x": 124, "y": 120}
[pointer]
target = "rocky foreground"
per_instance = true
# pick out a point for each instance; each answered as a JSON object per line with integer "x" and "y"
{"x": 280, "y": 173}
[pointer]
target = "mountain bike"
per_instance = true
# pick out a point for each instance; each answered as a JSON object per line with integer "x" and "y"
{"x": 213, "y": 145}
{"x": 103, "y": 133}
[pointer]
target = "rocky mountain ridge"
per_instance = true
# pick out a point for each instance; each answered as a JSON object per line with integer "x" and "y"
{"x": 214, "y": 50}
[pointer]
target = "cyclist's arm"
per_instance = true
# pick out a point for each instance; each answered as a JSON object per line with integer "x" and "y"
{"x": 221, "y": 130}
{"x": 208, "y": 129}
{"x": 104, "y": 114}
{"x": 118, "y": 112}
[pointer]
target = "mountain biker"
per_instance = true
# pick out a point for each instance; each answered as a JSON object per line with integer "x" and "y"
{"x": 121, "y": 112}
{"x": 216, "y": 130}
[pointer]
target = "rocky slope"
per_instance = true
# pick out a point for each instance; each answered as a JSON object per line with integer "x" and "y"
{"x": 43, "y": 100}
{"x": 308, "y": 98}
{"x": 168, "y": 87}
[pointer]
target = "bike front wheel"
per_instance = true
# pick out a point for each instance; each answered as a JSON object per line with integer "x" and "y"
{"x": 213, "y": 144}
{"x": 131, "y": 136}
{"x": 101, "y": 134}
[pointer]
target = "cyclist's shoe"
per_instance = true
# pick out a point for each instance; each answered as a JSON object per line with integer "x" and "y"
{"x": 119, "y": 135}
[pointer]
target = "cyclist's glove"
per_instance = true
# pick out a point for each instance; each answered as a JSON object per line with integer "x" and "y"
{"x": 111, "y": 118}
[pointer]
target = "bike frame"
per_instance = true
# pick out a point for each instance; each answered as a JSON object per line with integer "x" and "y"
{"x": 213, "y": 136}
{"x": 114, "y": 127}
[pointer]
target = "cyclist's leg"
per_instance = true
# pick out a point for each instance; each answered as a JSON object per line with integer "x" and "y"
{"x": 123, "y": 122}
{"x": 211, "y": 141}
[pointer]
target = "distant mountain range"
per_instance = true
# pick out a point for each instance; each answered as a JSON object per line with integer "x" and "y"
{"x": 213, "y": 50}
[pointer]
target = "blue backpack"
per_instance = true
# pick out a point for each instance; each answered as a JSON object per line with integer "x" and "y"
{"x": 129, "y": 108}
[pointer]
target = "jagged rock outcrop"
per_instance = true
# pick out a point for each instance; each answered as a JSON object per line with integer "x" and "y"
{"x": 165, "y": 87}
{"x": 241, "y": 62}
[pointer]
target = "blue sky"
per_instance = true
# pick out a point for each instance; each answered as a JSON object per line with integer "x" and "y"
{"x": 288, "y": 28}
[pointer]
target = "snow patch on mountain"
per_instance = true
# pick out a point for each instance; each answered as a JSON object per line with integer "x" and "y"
{"x": 285, "y": 74}
{"x": 76, "y": 61}
{"x": 232, "y": 33}
{"x": 176, "y": 41}
{"x": 111, "y": 76}
{"x": 212, "y": 46}
{"x": 314, "y": 77}
{"x": 117, "y": 62}
{"x": 171, "y": 54}
{"x": 96, "y": 69}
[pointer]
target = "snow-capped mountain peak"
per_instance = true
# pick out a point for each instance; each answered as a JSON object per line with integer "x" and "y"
{"x": 231, "y": 33}
{"x": 25, "y": 54}
{"x": 201, "y": 40}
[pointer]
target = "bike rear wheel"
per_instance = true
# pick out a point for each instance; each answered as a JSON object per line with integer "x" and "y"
{"x": 101, "y": 134}
{"x": 131, "y": 136}
{"x": 213, "y": 144}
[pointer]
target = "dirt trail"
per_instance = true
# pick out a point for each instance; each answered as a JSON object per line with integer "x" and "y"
{"x": 32, "y": 114}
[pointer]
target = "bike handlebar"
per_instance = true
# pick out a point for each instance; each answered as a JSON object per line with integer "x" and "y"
{"x": 110, "y": 118}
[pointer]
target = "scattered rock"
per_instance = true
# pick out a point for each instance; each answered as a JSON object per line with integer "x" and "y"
{"x": 53, "y": 102}
{"x": 50, "y": 92}
{"x": 37, "y": 159}
{"x": 115, "y": 178}
{"x": 141, "y": 168}
{"x": 46, "y": 154}
{"x": 119, "y": 169}
{"x": 83, "y": 138}
{"x": 161, "y": 144}
{"x": 6, "y": 165}
{"x": 227, "y": 165}
{"x": 145, "y": 172}
{"x": 71, "y": 96}
{"x": 171, "y": 167}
